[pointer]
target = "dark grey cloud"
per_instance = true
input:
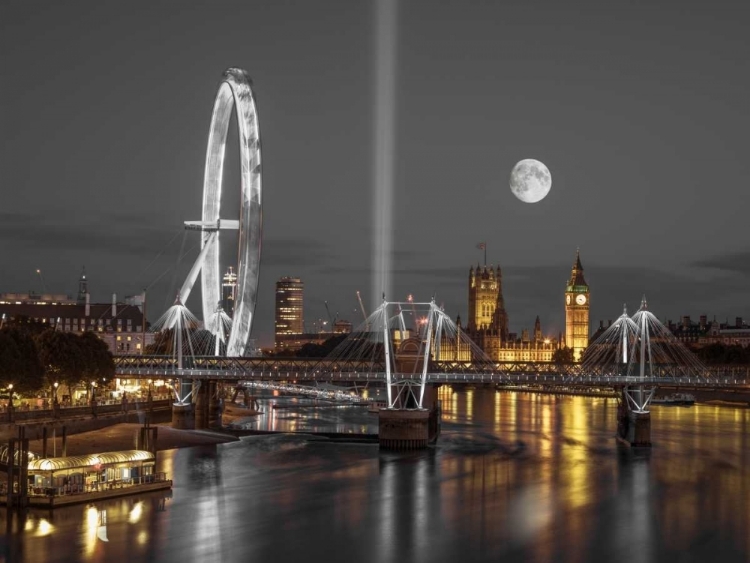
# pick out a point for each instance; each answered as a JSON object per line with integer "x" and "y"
{"x": 104, "y": 176}
{"x": 299, "y": 252}
{"x": 733, "y": 262}
{"x": 113, "y": 235}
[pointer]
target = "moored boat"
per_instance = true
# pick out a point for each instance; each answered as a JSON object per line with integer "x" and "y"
{"x": 680, "y": 399}
{"x": 375, "y": 406}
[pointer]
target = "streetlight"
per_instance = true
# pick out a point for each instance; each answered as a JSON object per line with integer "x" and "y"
{"x": 10, "y": 402}
{"x": 55, "y": 386}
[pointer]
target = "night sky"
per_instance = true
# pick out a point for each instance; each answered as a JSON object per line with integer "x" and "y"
{"x": 639, "y": 110}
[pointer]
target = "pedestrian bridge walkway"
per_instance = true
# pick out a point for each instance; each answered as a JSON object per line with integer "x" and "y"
{"x": 539, "y": 373}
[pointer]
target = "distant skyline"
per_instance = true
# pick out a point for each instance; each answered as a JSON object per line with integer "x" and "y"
{"x": 638, "y": 112}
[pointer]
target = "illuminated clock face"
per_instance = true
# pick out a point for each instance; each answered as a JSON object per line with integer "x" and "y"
{"x": 567, "y": 299}
{"x": 581, "y": 299}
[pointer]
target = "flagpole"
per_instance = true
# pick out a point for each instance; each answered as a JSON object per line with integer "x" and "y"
{"x": 485, "y": 254}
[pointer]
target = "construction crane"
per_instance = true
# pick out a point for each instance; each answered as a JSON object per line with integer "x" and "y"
{"x": 361, "y": 306}
{"x": 410, "y": 299}
{"x": 331, "y": 320}
{"x": 41, "y": 279}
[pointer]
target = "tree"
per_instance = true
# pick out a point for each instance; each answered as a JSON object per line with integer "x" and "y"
{"x": 311, "y": 350}
{"x": 563, "y": 355}
{"x": 720, "y": 353}
{"x": 70, "y": 359}
{"x": 97, "y": 359}
{"x": 19, "y": 361}
{"x": 28, "y": 325}
{"x": 62, "y": 358}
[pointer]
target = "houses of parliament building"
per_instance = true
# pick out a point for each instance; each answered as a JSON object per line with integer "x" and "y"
{"x": 487, "y": 325}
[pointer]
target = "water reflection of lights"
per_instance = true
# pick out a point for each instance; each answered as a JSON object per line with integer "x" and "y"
{"x": 135, "y": 512}
{"x": 470, "y": 405}
{"x": 545, "y": 445}
{"x": 498, "y": 411}
{"x": 449, "y": 400}
{"x": 532, "y": 508}
{"x": 92, "y": 523}
{"x": 92, "y": 518}
{"x": 387, "y": 513}
{"x": 44, "y": 528}
{"x": 576, "y": 453}
{"x": 40, "y": 527}
{"x": 101, "y": 529}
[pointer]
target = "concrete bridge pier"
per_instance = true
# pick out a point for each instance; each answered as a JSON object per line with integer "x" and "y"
{"x": 207, "y": 406}
{"x": 634, "y": 424}
{"x": 183, "y": 416}
{"x": 201, "y": 406}
{"x": 215, "y": 405}
{"x": 404, "y": 428}
{"x": 183, "y": 412}
{"x": 248, "y": 399}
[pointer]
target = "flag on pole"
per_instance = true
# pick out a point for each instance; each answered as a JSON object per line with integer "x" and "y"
{"x": 483, "y": 246}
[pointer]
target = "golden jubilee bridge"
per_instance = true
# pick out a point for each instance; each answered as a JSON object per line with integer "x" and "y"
{"x": 550, "y": 374}
{"x": 635, "y": 357}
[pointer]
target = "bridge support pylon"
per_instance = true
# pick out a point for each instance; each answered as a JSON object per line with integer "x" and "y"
{"x": 201, "y": 407}
{"x": 208, "y": 408}
{"x": 412, "y": 419}
{"x": 215, "y": 405}
{"x": 633, "y": 416}
{"x": 183, "y": 416}
{"x": 183, "y": 410}
{"x": 410, "y": 428}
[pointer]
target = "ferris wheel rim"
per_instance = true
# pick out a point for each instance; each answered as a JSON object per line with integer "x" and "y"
{"x": 234, "y": 95}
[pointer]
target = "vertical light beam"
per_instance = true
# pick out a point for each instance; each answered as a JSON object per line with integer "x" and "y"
{"x": 384, "y": 147}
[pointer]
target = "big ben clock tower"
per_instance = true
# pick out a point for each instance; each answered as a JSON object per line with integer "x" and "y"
{"x": 577, "y": 304}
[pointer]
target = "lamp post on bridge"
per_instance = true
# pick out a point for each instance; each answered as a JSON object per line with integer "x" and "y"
{"x": 55, "y": 403}
{"x": 93, "y": 398}
{"x": 10, "y": 402}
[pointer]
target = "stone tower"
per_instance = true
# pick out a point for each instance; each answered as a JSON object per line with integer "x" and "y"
{"x": 83, "y": 287}
{"x": 577, "y": 303}
{"x": 483, "y": 297}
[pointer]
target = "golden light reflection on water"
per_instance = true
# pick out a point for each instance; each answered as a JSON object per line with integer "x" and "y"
{"x": 708, "y": 445}
{"x": 449, "y": 401}
{"x": 136, "y": 512}
{"x": 89, "y": 534}
{"x": 545, "y": 444}
{"x": 532, "y": 477}
{"x": 44, "y": 528}
{"x": 497, "y": 413}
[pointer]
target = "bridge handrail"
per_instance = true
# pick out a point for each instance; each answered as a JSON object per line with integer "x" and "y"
{"x": 250, "y": 364}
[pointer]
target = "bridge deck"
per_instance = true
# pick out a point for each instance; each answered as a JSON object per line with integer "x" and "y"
{"x": 540, "y": 373}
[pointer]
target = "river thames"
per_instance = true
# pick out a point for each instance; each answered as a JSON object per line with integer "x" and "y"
{"x": 514, "y": 477}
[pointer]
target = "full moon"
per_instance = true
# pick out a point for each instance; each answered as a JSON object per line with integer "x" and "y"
{"x": 530, "y": 180}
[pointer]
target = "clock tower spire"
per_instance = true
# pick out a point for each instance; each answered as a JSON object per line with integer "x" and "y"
{"x": 577, "y": 303}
